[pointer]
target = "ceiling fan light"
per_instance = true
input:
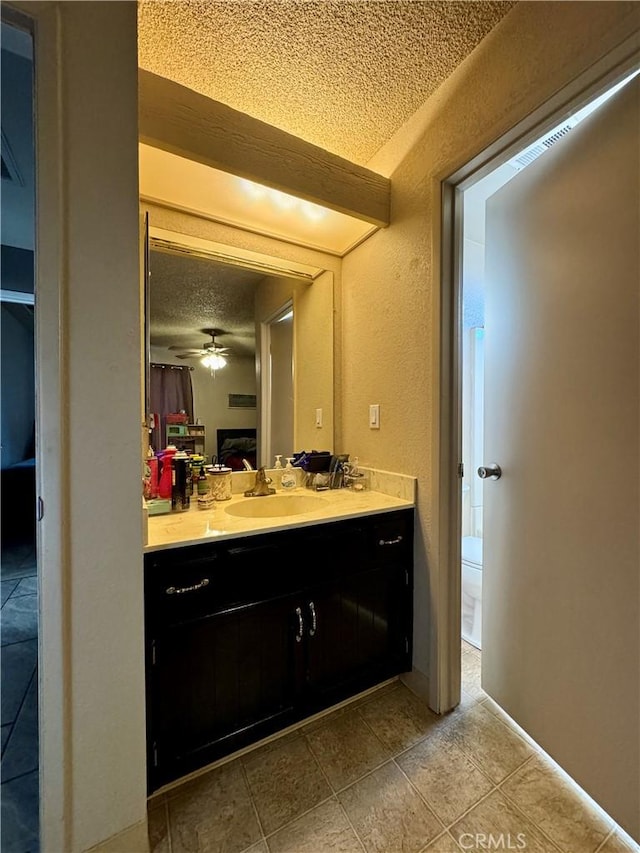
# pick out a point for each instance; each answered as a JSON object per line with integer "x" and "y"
{"x": 214, "y": 361}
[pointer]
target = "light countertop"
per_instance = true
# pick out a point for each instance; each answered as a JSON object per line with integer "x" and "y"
{"x": 198, "y": 526}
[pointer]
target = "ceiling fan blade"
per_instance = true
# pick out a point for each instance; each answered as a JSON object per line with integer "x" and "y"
{"x": 186, "y": 348}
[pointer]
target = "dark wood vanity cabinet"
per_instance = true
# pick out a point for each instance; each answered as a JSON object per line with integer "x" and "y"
{"x": 245, "y": 637}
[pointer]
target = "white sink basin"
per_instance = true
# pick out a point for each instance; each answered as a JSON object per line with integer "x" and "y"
{"x": 275, "y": 506}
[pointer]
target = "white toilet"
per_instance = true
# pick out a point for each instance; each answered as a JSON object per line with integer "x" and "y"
{"x": 472, "y": 590}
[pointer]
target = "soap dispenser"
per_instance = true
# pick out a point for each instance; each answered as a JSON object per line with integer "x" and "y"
{"x": 278, "y": 463}
{"x": 289, "y": 479}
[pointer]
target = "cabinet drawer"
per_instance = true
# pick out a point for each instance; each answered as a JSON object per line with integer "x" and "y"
{"x": 202, "y": 581}
{"x": 176, "y": 591}
{"x": 392, "y": 539}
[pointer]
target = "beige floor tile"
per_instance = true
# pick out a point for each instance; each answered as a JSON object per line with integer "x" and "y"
{"x": 553, "y": 805}
{"x": 471, "y": 675}
{"x": 285, "y": 781}
{"x": 617, "y": 844}
{"x": 445, "y": 777}
{"x": 468, "y": 700}
{"x": 214, "y": 813}
{"x": 496, "y": 749}
{"x": 260, "y": 847}
{"x": 158, "y": 829}
{"x": 273, "y": 744}
{"x": 400, "y": 719}
{"x": 357, "y": 703}
{"x": 498, "y": 822}
{"x": 468, "y": 649}
{"x": 346, "y": 749}
{"x": 328, "y": 718}
{"x": 376, "y": 694}
{"x": 443, "y": 844}
{"x": 325, "y": 828}
{"x": 502, "y": 715}
{"x": 387, "y": 813}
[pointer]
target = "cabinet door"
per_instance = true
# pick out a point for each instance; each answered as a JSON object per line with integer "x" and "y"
{"x": 356, "y": 633}
{"x": 220, "y": 682}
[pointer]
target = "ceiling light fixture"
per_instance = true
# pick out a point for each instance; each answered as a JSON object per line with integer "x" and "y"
{"x": 214, "y": 361}
{"x": 282, "y": 202}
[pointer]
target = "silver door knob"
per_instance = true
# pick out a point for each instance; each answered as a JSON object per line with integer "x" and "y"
{"x": 490, "y": 472}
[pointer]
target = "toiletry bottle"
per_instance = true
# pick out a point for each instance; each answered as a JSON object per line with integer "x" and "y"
{"x": 289, "y": 479}
{"x": 180, "y": 500}
{"x": 203, "y": 483}
{"x": 356, "y": 477}
{"x": 164, "y": 486}
{"x": 278, "y": 462}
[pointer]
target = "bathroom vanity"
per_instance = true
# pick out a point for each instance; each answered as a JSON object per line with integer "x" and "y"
{"x": 253, "y": 624}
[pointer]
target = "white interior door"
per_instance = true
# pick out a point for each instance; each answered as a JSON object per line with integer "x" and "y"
{"x": 561, "y": 626}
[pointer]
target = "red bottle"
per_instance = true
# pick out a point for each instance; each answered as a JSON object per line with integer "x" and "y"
{"x": 165, "y": 483}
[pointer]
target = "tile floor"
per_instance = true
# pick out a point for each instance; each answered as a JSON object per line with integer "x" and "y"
{"x": 382, "y": 775}
{"x": 19, "y": 693}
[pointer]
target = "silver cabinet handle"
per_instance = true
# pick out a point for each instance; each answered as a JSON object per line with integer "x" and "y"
{"x": 314, "y": 620}
{"x": 490, "y": 472}
{"x": 395, "y": 541}
{"x": 300, "y": 625}
{"x": 178, "y": 590}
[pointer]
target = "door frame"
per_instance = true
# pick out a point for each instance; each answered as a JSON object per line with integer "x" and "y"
{"x": 445, "y": 664}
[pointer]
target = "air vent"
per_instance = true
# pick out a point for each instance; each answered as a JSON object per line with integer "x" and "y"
{"x": 556, "y": 135}
{"x": 526, "y": 157}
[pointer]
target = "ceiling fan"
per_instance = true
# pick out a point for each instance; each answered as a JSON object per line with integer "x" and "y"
{"x": 210, "y": 348}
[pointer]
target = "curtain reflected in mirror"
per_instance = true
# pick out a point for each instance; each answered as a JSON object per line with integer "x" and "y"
{"x": 170, "y": 392}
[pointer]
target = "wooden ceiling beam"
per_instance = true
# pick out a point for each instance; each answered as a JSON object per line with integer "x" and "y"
{"x": 183, "y": 122}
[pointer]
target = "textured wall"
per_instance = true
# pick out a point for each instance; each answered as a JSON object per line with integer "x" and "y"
{"x": 391, "y": 283}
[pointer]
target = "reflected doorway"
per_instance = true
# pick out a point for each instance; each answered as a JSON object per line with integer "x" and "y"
{"x": 277, "y": 385}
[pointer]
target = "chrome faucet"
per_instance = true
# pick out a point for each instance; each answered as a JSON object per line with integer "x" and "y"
{"x": 261, "y": 487}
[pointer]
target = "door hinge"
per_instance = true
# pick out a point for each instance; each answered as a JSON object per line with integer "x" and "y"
{"x": 153, "y": 653}
{"x": 406, "y": 645}
{"x": 406, "y": 577}
{"x": 155, "y": 754}
{"x": 39, "y": 509}
{"x": 460, "y": 470}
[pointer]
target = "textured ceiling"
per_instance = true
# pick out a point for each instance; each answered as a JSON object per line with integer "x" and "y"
{"x": 342, "y": 74}
{"x": 189, "y": 294}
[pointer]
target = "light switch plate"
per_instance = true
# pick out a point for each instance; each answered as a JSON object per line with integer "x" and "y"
{"x": 318, "y": 418}
{"x": 374, "y": 416}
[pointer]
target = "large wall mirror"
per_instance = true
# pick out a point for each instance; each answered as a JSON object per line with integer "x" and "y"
{"x": 244, "y": 343}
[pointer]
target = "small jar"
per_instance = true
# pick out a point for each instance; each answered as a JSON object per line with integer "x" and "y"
{"x": 220, "y": 479}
